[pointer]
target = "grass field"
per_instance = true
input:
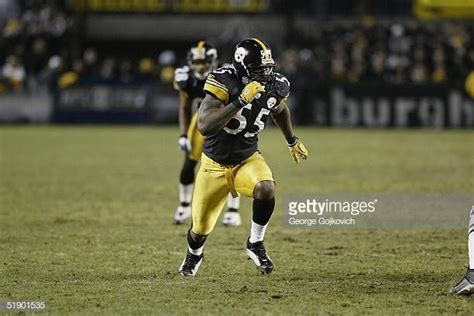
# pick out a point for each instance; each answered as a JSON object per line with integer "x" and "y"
{"x": 86, "y": 212}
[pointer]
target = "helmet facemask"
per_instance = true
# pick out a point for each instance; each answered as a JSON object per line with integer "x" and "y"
{"x": 202, "y": 60}
{"x": 261, "y": 73}
{"x": 201, "y": 68}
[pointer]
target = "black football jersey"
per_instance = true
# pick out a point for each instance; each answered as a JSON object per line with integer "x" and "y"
{"x": 185, "y": 80}
{"x": 238, "y": 140}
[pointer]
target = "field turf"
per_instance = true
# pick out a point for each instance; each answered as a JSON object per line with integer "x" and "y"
{"x": 86, "y": 213}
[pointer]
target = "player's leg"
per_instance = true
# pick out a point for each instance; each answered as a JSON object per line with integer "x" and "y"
{"x": 232, "y": 216}
{"x": 186, "y": 185}
{"x": 186, "y": 179}
{"x": 263, "y": 205}
{"x": 466, "y": 285}
{"x": 208, "y": 200}
{"x": 471, "y": 240}
{"x": 254, "y": 178}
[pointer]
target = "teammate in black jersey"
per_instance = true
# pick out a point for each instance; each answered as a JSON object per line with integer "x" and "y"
{"x": 189, "y": 81}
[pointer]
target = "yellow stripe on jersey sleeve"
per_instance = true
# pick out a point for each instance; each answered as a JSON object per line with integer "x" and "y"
{"x": 217, "y": 89}
{"x": 217, "y": 83}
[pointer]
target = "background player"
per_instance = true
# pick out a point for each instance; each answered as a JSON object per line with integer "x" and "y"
{"x": 239, "y": 99}
{"x": 189, "y": 81}
{"x": 466, "y": 285}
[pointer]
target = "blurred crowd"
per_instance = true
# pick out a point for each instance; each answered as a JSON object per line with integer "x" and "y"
{"x": 31, "y": 32}
{"x": 39, "y": 45}
{"x": 92, "y": 67}
{"x": 397, "y": 53}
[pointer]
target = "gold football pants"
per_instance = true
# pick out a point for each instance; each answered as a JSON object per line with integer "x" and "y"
{"x": 213, "y": 183}
{"x": 196, "y": 139}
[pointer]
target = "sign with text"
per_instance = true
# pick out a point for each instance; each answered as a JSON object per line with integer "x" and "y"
{"x": 384, "y": 106}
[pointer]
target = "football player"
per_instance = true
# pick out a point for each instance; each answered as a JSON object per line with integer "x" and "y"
{"x": 466, "y": 285}
{"x": 189, "y": 81}
{"x": 239, "y": 100}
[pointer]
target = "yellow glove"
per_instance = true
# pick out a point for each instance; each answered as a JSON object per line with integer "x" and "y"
{"x": 251, "y": 92}
{"x": 298, "y": 150}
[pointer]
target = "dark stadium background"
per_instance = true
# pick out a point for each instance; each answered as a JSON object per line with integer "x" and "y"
{"x": 351, "y": 63}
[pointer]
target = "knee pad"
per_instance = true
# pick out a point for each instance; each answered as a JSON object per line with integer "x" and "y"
{"x": 264, "y": 190}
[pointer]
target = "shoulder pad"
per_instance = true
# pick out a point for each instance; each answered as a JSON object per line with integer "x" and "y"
{"x": 221, "y": 83}
{"x": 282, "y": 85}
{"x": 181, "y": 77}
{"x": 225, "y": 72}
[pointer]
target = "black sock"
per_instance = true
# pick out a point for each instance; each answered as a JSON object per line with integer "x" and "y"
{"x": 262, "y": 210}
{"x": 195, "y": 241}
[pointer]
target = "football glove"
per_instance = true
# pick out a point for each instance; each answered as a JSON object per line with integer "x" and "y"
{"x": 298, "y": 151}
{"x": 184, "y": 143}
{"x": 250, "y": 92}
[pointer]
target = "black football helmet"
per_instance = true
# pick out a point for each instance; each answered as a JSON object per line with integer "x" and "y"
{"x": 202, "y": 59}
{"x": 253, "y": 60}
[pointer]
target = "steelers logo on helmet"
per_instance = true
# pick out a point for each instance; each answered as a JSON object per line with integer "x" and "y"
{"x": 271, "y": 102}
{"x": 240, "y": 54}
{"x": 253, "y": 60}
{"x": 202, "y": 59}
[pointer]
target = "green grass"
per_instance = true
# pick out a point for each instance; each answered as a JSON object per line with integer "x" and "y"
{"x": 86, "y": 212}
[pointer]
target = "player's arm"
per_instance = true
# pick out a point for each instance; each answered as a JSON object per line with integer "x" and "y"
{"x": 214, "y": 114}
{"x": 282, "y": 118}
{"x": 184, "y": 112}
{"x": 184, "y": 120}
{"x": 181, "y": 77}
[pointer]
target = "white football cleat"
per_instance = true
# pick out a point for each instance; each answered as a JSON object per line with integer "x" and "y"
{"x": 466, "y": 285}
{"x": 231, "y": 219}
{"x": 182, "y": 213}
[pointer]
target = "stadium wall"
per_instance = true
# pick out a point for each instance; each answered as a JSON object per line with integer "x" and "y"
{"x": 383, "y": 106}
{"x": 26, "y": 107}
{"x": 320, "y": 104}
{"x": 355, "y": 105}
